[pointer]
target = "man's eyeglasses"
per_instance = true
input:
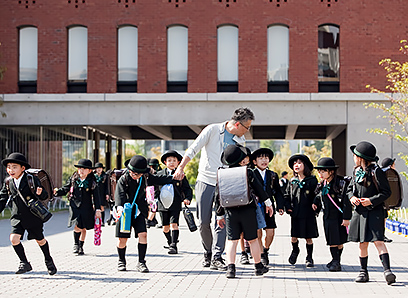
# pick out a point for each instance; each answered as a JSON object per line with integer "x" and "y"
{"x": 247, "y": 128}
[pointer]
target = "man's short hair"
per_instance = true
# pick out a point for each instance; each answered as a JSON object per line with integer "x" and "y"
{"x": 243, "y": 115}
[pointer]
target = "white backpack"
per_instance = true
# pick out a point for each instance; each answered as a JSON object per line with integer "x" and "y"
{"x": 233, "y": 189}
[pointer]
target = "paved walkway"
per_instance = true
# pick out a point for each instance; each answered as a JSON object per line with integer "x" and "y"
{"x": 95, "y": 274}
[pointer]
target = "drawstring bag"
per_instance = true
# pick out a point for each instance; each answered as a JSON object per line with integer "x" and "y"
{"x": 97, "y": 231}
{"x": 167, "y": 195}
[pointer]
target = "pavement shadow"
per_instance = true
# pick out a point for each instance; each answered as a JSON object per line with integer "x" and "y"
{"x": 90, "y": 276}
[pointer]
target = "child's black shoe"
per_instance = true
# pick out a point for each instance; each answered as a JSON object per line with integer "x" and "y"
{"x": 51, "y": 267}
{"x": 231, "y": 271}
{"x": 293, "y": 256}
{"x": 362, "y": 277}
{"x": 24, "y": 267}
{"x": 389, "y": 277}
{"x": 244, "y": 258}
{"x": 260, "y": 269}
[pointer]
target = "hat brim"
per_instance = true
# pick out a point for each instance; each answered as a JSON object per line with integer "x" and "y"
{"x": 244, "y": 153}
{"x": 139, "y": 171}
{"x": 262, "y": 151}
{"x": 355, "y": 152}
{"x": 84, "y": 167}
{"x": 12, "y": 160}
{"x": 303, "y": 158}
{"x": 327, "y": 167}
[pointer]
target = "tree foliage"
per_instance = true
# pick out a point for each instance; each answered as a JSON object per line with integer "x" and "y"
{"x": 395, "y": 110}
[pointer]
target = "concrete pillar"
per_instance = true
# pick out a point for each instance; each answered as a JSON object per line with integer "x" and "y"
{"x": 339, "y": 152}
{"x": 97, "y": 141}
{"x": 119, "y": 152}
{"x": 108, "y": 152}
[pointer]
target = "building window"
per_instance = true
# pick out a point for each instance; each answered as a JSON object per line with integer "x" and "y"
{"x": 28, "y": 60}
{"x": 177, "y": 58}
{"x": 329, "y": 58}
{"x": 278, "y": 58}
{"x": 227, "y": 58}
{"x": 127, "y": 59}
{"x": 77, "y": 59}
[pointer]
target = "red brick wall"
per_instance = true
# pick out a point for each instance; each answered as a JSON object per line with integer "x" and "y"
{"x": 369, "y": 31}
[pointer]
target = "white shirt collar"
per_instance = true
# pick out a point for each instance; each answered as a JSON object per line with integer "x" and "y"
{"x": 262, "y": 173}
{"x": 17, "y": 181}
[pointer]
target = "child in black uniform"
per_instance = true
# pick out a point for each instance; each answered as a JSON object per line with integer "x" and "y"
{"x": 16, "y": 187}
{"x": 131, "y": 187}
{"x": 367, "y": 192}
{"x": 242, "y": 219}
{"x": 270, "y": 181}
{"x": 170, "y": 207}
{"x": 84, "y": 202}
{"x": 102, "y": 186}
{"x": 336, "y": 208}
{"x": 299, "y": 198}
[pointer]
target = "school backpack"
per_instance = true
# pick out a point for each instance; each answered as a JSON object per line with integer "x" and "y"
{"x": 233, "y": 188}
{"x": 46, "y": 183}
{"x": 394, "y": 201}
{"x": 114, "y": 176}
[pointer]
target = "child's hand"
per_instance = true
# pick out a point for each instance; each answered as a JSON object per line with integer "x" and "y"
{"x": 39, "y": 191}
{"x": 269, "y": 209}
{"x": 314, "y": 207}
{"x": 365, "y": 202}
{"x": 221, "y": 223}
{"x": 355, "y": 201}
{"x": 187, "y": 202}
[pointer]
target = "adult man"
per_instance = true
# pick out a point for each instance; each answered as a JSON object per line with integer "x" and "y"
{"x": 213, "y": 140}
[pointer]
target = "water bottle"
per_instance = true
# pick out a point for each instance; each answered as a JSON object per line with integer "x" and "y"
{"x": 126, "y": 218}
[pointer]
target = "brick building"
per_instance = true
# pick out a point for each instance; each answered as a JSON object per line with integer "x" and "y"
{"x": 121, "y": 67}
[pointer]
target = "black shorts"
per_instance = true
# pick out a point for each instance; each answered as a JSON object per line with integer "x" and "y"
{"x": 33, "y": 233}
{"x": 241, "y": 220}
{"x": 138, "y": 224}
{"x": 270, "y": 220}
{"x": 168, "y": 217}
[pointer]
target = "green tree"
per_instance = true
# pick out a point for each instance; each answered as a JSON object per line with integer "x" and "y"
{"x": 191, "y": 169}
{"x": 133, "y": 149}
{"x": 395, "y": 110}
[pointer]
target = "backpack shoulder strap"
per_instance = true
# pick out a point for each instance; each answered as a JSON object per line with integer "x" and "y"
{"x": 375, "y": 181}
{"x": 31, "y": 183}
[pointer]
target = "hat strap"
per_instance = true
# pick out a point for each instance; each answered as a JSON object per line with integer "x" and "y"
{"x": 363, "y": 155}
{"x": 133, "y": 169}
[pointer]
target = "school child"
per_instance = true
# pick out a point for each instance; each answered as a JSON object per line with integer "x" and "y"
{"x": 16, "y": 187}
{"x": 337, "y": 209}
{"x": 270, "y": 181}
{"x": 242, "y": 219}
{"x": 284, "y": 180}
{"x": 151, "y": 221}
{"x": 170, "y": 206}
{"x": 299, "y": 198}
{"x": 367, "y": 192}
{"x": 102, "y": 187}
{"x": 131, "y": 188}
{"x": 84, "y": 202}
